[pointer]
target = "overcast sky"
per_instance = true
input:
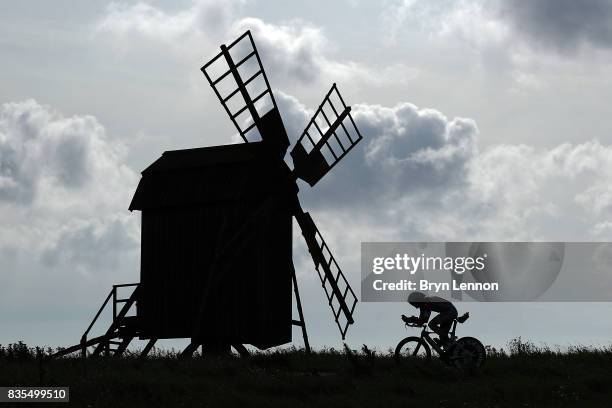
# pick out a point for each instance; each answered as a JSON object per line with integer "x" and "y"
{"x": 483, "y": 120}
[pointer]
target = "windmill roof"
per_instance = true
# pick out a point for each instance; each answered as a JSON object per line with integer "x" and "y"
{"x": 204, "y": 157}
{"x": 208, "y": 175}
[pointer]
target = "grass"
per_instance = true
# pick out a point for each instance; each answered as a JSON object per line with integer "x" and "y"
{"x": 524, "y": 375}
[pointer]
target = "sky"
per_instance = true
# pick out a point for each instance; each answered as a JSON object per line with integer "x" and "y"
{"x": 482, "y": 120}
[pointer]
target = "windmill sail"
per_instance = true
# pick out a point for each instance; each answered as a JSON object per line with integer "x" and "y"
{"x": 238, "y": 78}
{"x": 340, "y": 295}
{"x": 328, "y": 137}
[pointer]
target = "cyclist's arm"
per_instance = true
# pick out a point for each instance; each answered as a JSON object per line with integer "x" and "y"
{"x": 424, "y": 315}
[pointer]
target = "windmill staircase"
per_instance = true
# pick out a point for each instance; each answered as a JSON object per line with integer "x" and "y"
{"x": 122, "y": 330}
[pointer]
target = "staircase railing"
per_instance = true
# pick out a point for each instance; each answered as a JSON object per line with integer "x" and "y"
{"x": 112, "y": 295}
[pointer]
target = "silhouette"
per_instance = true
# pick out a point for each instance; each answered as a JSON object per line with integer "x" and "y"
{"x": 216, "y": 249}
{"x": 464, "y": 353}
{"x": 426, "y": 304}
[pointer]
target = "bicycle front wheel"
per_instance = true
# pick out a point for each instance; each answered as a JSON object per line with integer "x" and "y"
{"x": 412, "y": 348}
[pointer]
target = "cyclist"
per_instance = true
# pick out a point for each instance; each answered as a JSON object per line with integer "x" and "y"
{"x": 440, "y": 324}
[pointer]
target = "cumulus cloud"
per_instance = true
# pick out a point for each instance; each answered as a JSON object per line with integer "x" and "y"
{"x": 35, "y": 143}
{"x": 422, "y": 142}
{"x": 41, "y": 150}
{"x": 405, "y": 149}
{"x": 64, "y": 193}
{"x": 293, "y": 50}
{"x": 420, "y": 175}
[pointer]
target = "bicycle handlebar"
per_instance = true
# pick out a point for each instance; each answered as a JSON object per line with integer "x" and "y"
{"x": 410, "y": 323}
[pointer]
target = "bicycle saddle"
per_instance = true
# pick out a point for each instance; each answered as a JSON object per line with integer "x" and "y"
{"x": 463, "y": 318}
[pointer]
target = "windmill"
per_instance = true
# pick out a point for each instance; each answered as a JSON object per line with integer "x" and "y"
{"x": 216, "y": 246}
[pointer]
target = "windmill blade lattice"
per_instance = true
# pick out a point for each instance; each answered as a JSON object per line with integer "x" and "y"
{"x": 240, "y": 82}
{"x": 328, "y": 137}
{"x": 340, "y": 296}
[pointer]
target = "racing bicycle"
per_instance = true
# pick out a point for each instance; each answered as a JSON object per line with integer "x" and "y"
{"x": 465, "y": 353}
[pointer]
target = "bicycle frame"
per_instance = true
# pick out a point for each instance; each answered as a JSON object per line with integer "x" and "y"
{"x": 425, "y": 335}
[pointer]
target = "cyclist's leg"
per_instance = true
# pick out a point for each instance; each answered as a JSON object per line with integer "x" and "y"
{"x": 434, "y": 324}
{"x": 444, "y": 323}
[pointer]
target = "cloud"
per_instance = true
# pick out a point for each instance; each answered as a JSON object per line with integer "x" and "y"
{"x": 420, "y": 175}
{"x": 470, "y": 21}
{"x": 295, "y": 114}
{"x": 94, "y": 245}
{"x": 142, "y": 19}
{"x": 64, "y": 192}
{"x": 296, "y": 51}
{"x": 563, "y": 25}
{"x": 291, "y": 51}
{"x": 542, "y": 193}
{"x": 559, "y": 25}
{"x": 423, "y": 142}
{"x": 405, "y": 149}
{"x": 43, "y": 151}
{"x": 393, "y": 18}
{"x": 524, "y": 45}
{"x": 34, "y": 143}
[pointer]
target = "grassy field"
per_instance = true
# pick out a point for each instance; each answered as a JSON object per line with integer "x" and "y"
{"x": 521, "y": 376}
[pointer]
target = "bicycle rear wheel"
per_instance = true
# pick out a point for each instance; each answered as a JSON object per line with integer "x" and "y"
{"x": 467, "y": 354}
{"x": 412, "y": 348}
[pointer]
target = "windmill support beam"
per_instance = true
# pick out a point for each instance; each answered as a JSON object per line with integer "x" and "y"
{"x": 241, "y": 350}
{"x": 189, "y": 350}
{"x": 148, "y": 348}
{"x": 302, "y": 321}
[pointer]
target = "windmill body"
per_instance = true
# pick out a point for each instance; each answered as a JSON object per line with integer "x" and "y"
{"x": 216, "y": 247}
